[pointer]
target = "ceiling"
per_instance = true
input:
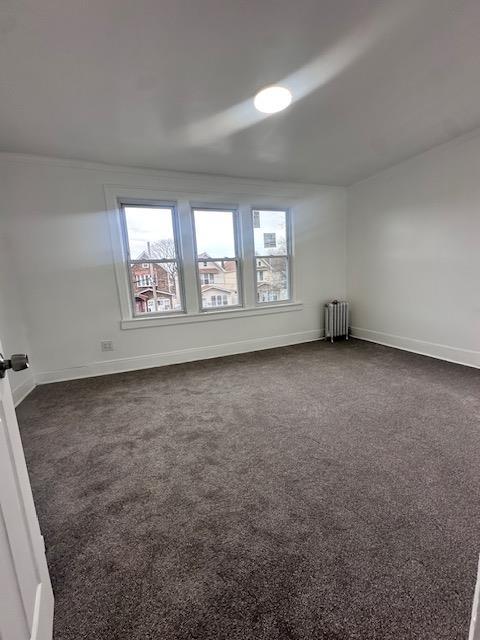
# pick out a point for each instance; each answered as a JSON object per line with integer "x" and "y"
{"x": 168, "y": 84}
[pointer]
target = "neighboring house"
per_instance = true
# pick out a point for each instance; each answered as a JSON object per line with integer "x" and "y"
{"x": 218, "y": 282}
{"x": 271, "y": 280}
{"x": 154, "y": 283}
{"x": 216, "y": 296}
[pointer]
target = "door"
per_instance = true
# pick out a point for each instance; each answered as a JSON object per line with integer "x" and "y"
{"x": 26, "y": 597}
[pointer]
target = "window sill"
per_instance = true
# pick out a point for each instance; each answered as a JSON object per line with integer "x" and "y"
{"x": 207, "y": 316}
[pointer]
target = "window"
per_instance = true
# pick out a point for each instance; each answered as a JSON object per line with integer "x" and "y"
{"x": 149, "y": 228}
{"x": 267, "y": 296}
{"x": 272, "y": 255}
{"x": 153, "y": 260}
{"x": 217, "y": 301}
{"x": 216, "y": 248}
{"x": 207, "y": 278}
{"x": 144, "y": 279}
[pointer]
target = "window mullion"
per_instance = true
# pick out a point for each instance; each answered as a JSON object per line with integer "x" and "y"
{"x": 248, "y": 271}
{"x": 157, "y": 261}
{"x": 224, "y": 259}
{"x": 273, "y": 255}
{"x": 185, "y": 224}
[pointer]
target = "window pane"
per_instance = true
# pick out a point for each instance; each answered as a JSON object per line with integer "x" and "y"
{"x": 218, "y": 283}
{"x": 155, "y": 287}
{"x": 215, "y": 233}
{"x": 272, "y": 279}
{"x": 270, "y": 232}
{"x": 150, "y": 233}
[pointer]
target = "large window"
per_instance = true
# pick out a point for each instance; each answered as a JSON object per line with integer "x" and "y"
{"x": 271, "y": 232}
{"x": 217, "y": 259}
{"x": 177, "y": 261}
{"x": 153, "y": 261}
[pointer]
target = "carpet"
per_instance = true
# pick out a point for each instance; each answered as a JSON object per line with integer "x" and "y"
{"x": 310, "y": 492}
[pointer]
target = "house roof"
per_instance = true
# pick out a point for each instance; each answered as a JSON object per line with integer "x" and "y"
{"x": 156, "y": 253}
{"x": 150, "y": 290}
{"x": 265, "y": 263}
{"x": 230, "y": 266}
{"x": 269, "y": 285}
{"x": 214, "y": 287}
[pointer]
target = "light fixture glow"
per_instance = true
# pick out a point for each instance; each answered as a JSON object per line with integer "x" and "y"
{"x": 272, "y": 99}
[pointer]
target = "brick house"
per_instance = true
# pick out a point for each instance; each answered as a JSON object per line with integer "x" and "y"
{"x": 153, "y": 282}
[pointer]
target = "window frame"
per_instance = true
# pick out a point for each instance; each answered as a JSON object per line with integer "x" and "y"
{"x": 288, "y": 256}
{"x": 238, "y": 259}
{"x": 140, "y": 203}
{"x": 185, "y": 195}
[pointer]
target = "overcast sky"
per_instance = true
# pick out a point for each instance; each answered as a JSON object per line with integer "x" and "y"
{"x": 147, "y": 225}
{"x": 214, "y": 231}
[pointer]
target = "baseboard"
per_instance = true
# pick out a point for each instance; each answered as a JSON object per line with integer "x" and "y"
{"x": 457, "y": 355}
{"x": 21, "y": 392}
{"x": 106, "y": 367}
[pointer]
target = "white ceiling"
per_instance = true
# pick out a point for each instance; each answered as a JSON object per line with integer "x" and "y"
{"x": 166, "y": 83}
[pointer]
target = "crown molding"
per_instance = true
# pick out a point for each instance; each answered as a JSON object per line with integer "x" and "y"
{"x": 86, "y": 165}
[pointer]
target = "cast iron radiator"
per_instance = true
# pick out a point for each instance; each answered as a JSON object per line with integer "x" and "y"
{"x": 336, "y": 319}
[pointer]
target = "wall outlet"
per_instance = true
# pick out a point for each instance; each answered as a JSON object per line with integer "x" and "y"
{"x": 106, "y": 345}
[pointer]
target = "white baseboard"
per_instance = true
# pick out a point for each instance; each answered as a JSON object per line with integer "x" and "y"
{"x": 457, "y": 355}
{"x": 105, "y": 367}
{"x": 21, "y": 392}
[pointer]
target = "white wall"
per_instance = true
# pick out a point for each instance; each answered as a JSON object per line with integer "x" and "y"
{"x": 13, "y": 332}
{"x": 414, "y": 253}
{"x": 59, "y": 229}
{"x": 413, "y": 264}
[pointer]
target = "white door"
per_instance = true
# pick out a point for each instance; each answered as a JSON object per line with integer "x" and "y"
{"x": 26, "y": 597}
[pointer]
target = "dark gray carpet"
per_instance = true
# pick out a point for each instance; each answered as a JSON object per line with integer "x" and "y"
{"x": 309, "y": 492}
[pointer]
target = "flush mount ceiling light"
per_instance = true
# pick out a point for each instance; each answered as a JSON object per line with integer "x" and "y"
{"x": 272, "y": 99}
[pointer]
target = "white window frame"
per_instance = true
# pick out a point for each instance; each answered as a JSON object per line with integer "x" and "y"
{"x": 152, "y": 204}
{"x": 185, "y": 200}
{"x": 238, "y": 258}
{"x": 288, "y": 256}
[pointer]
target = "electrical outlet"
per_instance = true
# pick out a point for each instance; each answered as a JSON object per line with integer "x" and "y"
{"x": 106, "y": 345}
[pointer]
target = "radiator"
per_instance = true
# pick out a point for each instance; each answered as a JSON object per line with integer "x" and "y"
{"x": 336, "y": 319}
